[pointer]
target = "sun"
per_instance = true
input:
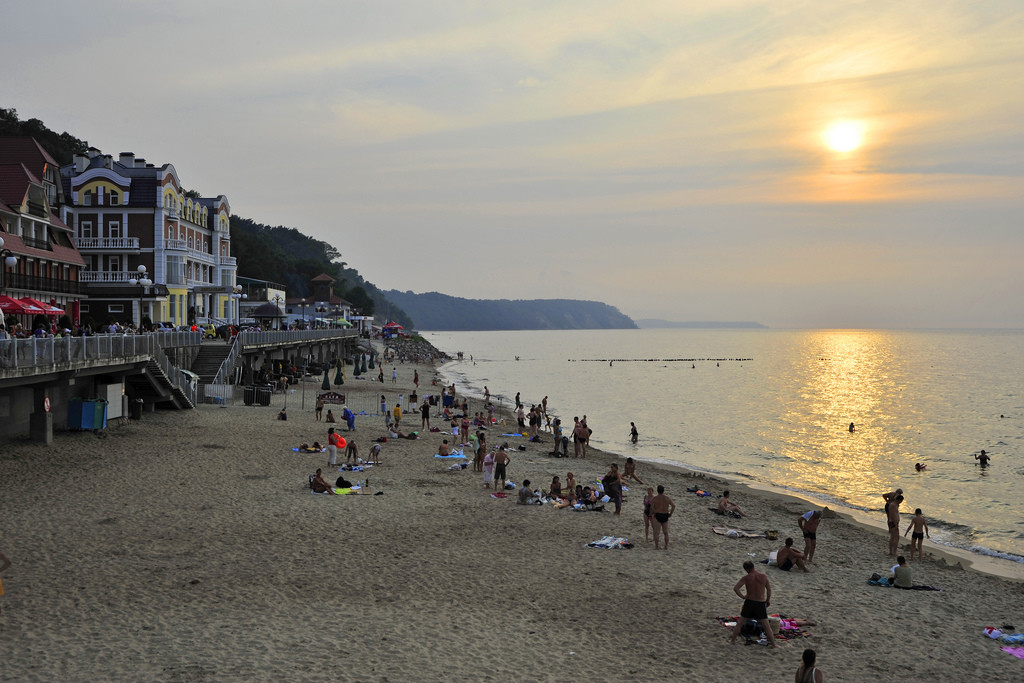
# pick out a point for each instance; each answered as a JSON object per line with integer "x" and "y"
{"x": 844, "y": 136}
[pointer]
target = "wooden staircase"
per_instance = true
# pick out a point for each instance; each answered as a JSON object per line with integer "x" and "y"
{"x": 209, "y": 359}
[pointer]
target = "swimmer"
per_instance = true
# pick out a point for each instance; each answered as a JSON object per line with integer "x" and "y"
{"x": 920, "y": 466}
{"x": 983, "y": 457}
{"x": 853, "y": 428}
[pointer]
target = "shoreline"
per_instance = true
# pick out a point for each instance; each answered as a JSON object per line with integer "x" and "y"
{"x": 980, "y": 562}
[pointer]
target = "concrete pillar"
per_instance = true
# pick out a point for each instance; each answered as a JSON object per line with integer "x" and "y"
{"x": 40, "y": 422}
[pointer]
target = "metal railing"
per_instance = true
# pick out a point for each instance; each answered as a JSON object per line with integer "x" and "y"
{"x": 42, "y": 284}
{"x": 42, "y": 353}
{"x": 227, "y": 368}
{"x": 250, "y": 338}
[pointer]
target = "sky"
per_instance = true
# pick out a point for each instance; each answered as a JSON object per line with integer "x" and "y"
{"x": 798, "y": 164}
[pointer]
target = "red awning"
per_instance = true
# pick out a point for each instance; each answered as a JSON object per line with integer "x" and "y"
{"x": 14, "y": 307}
{"x": 45, "y": 308}
{"x": 393, "y": 326}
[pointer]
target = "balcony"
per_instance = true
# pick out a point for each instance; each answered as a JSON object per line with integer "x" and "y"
{"x": 228, "y": 261}
{"x": 180, "y": 245}
{"x": 107, "y": 277}
{"x": 108, "y": 243}
{"x": 50, "y": 285}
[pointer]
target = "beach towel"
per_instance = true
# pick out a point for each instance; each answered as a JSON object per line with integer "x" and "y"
{"x": 511, "y": 434}
{"x": 736, "y": 533}
{"x": 791, "y": 633}
{"x": 309, "y": 450}
{"x": 498, "y": 495}
{"x": 1012, "y": 638}
{"x": 1017, "y": 652}
{"x": 611, "y": 542}
{"x": 700, "y": 492}
{"x": 454, "y": 454}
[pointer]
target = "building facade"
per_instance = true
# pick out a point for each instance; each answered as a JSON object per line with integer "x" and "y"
{"x": 46, "y": 265}
{"x": 151, "y": 249}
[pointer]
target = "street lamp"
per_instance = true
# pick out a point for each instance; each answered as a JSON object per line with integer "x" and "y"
{"x": 304, "y": 325}
{"x": 142, "y": 281}
{"x": 237, "y": 296}
{"x": 321, "y": 310}
{"x": 9, "y": 259}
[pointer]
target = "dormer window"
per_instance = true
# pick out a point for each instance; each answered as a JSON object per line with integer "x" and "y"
{"x": 114, "y": 199}
{"x": 87, "y": 199}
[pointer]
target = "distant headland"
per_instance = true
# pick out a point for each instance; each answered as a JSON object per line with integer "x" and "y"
{"x": 653, "y": 323}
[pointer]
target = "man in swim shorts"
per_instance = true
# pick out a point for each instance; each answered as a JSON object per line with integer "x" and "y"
{"x": 920, "y": 527}
{"x": 662, "y": 508}
{"x": 501, "y": 461}
{"x": 756, "y": 600}
{"x": 808, "y": 524}
{"x": 789, "y": 556}
{"x": 893, "y": 517}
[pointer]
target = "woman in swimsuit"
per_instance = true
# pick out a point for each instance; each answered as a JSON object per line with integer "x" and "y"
{"x": 648, "y": 513}
{"x": 556, "y": 487}
{"x": 808, "y": 673}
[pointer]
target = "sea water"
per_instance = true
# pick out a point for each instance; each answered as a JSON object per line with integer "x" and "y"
{"x": 774, "y": 406}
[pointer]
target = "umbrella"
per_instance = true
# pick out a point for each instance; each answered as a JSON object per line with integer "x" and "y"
{"x": 355, "y": 367}
{"x": 13, "y": 306}
{"x": 48, "y": 309}
{"x": 339, "y": 376}
{"x": 373, "y": 354}
{"x": 364, "y": 363}
{"x": 326, "y": 386}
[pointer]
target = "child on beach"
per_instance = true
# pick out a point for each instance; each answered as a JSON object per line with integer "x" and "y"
{"x": 920, "y": 527}
{"x": 648, "y": 513}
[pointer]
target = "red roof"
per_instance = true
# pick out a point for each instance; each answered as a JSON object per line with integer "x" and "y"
{"x": 18, "y": 149}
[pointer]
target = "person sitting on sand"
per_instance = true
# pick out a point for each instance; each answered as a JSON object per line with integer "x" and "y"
{"x": 330, "y": 416}
{"x": 789, "y": 556}
{"x": 901, "y": 574}
{"x": 630, "y": 472}
{"x": 556, "y": 487}
{"x": 528, "y": 496}
{"x": 444, "y": 449}
{"x": 807, "y": 672}
{"x": 318, "y": 484}
{"x": 570, "y": 481}
{"x": 726, "y": 506}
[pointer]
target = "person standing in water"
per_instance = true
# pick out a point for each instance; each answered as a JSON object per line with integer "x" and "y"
{"x": 982, "y": 457}
{"x": 633, "y": 433}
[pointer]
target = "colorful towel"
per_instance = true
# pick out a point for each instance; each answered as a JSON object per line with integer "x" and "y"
{"x": 455, "y": 454}
{"x": 783, "y": 634}
{"x": 498, "y": 495}
{"x": 611, "y": 542}
{"x": 700, "y": 492}
{"x": 310, "y": 450}
{"x": 511, "y": 434}
{"x": 1017, "y": 652}
{"x": 736, "y": 533}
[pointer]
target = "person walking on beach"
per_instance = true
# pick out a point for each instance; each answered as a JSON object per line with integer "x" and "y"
{"x": 519, "y": 404}
{"x": 544, "y": 406}
{"x": 807, "y": 672}
{"x": 756, "y": 600}
{"x": 397, "y": 413}
{"x": 394, "y": 375}
{"x": 893, "y": 515}
{"x": 920, "y": 527}
{"x": 416, "y": 378}
{"x": 808, "y": 523}
{"x": 501, "y": 462}
{"x": 662, "y": 508}
{"x": 319, "y": 408}
{"x": 633, "y": 433}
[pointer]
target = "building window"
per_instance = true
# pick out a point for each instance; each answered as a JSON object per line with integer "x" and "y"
{"x": 114, "y": 199}
{"x": 83, "y": 308}
{"x": 114, "y": 228}
{"x": 87, "y": 198}
{"x": 115, "y": 308}
{"x": 85, "y": 228}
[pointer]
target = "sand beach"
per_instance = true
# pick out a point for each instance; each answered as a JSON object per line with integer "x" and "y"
{"x": 186, "y": 547}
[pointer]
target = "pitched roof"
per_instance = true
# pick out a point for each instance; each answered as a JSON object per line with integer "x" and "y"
{"x": 323, "y": 277}
{"x": 22, "y": 148}
{"x": 14, "y": 180}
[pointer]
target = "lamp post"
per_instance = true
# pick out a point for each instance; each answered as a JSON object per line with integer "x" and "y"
{"x": 321, "y": 310}
{"x": 9, "y": 259}
{"x": 142, "y": 281}
{"x": 238, "y": 296}
{"x": 304, "y": 325}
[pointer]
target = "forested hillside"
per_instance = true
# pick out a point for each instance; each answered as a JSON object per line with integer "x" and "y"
{"x": 434, "y": 311}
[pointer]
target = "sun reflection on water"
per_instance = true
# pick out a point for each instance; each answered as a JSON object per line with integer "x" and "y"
{"x": 845, "y": 376}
